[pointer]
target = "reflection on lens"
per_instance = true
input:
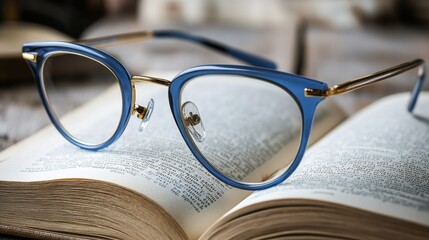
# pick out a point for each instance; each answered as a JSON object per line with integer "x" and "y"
{"x": 252, "y": 128}
{"x": 71, "y": 80}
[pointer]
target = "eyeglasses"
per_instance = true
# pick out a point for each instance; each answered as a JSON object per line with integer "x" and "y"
{"x": 236, "y": 120}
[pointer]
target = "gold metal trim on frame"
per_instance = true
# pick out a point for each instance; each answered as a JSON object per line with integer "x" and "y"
{"x": 140, "y": 110}
{"x": 366, "y": 80}
{"x": 112, "y": 40}
{"x": 31, "y": 56}
{"x": 156, "y": 80}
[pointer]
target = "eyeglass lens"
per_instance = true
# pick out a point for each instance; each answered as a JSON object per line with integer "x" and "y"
{"x": 70, "y": 80}
{"x": 248, "y": 129}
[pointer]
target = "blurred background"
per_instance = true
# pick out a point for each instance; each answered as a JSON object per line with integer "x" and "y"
{"x": 328, "y": 40}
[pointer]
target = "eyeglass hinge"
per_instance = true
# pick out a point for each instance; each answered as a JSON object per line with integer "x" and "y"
{"x": 309, "y": 92}
{"x": 31, "y": 56}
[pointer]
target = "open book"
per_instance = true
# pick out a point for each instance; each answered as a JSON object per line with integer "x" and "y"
{"x": 368, "y": 178}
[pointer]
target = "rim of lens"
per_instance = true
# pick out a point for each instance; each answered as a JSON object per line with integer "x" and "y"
{"x": 280, "y": 172}
{"x": 52, "y": 111}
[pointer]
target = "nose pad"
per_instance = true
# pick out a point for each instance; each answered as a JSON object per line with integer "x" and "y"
{"x": 144, "y": 113}
{"x": 193, "y": 121}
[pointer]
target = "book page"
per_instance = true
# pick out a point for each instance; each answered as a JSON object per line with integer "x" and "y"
{"x": 377, "y": 160}
{"x": 156, "y": 162}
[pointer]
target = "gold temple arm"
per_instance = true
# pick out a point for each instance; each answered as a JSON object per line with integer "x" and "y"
{"x": 116, "y": 39}
{"x": 367, "y": 80}
{"x": 172, "y": 34}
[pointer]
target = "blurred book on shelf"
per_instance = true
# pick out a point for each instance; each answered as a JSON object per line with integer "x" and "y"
{"x": 12, "y": 67}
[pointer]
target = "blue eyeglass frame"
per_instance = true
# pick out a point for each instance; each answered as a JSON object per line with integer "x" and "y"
{"x": 307, "y": 93}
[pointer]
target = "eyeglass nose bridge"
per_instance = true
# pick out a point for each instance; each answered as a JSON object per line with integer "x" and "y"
{"x": 141, "y": 112}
